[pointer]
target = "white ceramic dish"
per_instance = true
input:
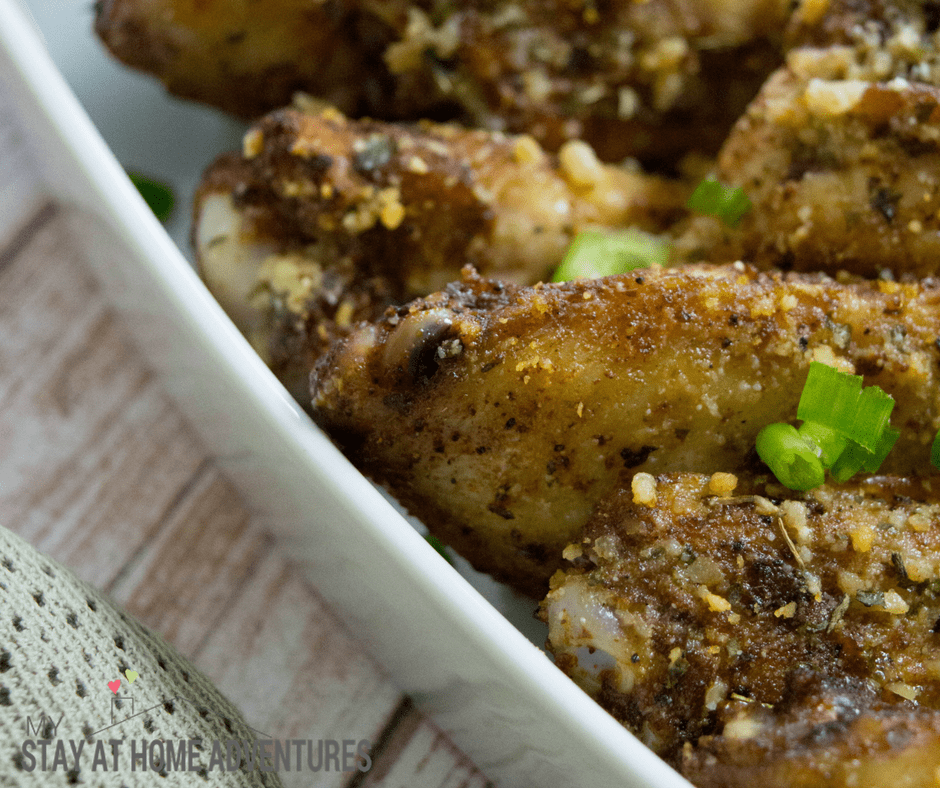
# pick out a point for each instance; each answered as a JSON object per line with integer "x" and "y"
{"x": 497, "y": 695}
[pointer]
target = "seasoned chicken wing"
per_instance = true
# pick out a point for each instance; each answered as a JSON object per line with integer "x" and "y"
{"x": 872, "y": 40}
{"x": 757, "y": 634}
{"x": 839, "y": 151}
{"x": 842, "y": 174}
{"x": 322, "y": 222}
{"x": 651, "y": 79}
{"x": 500, "y": 415}
{"x": 250, "y": 57}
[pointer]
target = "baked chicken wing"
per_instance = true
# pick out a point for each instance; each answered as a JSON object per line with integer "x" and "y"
{"x": 651, "y": 79}
{"x": 501, "y": 415}
{"x": 322, "y": 221}
{"x": 840, "y": 151}
{"x": 754, "y": 634}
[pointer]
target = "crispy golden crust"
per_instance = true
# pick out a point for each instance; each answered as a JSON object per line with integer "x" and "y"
{"x": 501, "y": 415}
{"x": 843, "y": 175}
{"x": 249, "y": 57}
{"x": 839, "y": 151}
{"x": 871, "y": 39}
{"x": 651, "y": 79}
{"x": 835, "y": 737}
{"x": 761, "y": 629}
{"x": 325, "y": 222}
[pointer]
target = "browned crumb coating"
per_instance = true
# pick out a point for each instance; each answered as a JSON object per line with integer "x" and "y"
{"x": 840, "y": 151}
{"x": 250, "y": 57}
{"x": 322, "y": 222}
{"x": 761, "y": 634}
{"x": 650, "y": 79}
{"x": 500, "y": 415}
{"x": 843, "y": 175}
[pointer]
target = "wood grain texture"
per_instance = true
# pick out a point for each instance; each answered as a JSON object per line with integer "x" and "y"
{"x": 100, "y": 470}
{"x": 92, "y": 453}
{"x": 21, "y": 193}
{"x": 415, "y": 752}
{"x": 186, "y": 579}
{"x": 283, "y": 659}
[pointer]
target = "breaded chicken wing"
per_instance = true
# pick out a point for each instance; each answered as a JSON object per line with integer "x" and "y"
{"x": 842, "y": 174}
{"x": 872, "y": 40}
{"x": 757, "y": 634}
{"x": 839, "y": 151}
{"x": 500, "y": 415}
{"x": 651, "y": 79}
{"x": 323, "y": 222}
{"x": 250, "y": 57}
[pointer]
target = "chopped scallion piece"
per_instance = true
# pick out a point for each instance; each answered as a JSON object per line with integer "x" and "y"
{"x": 792, "y": 460}
{"x": 830, "y": 397}
{"x": 850, "y": 462}
{"x": 712, "y": 198}
{"x": 935, "y": 451}
{"x": 438, "y": 545}
{"x": 829, "y": 443}
{"x": 594, "y": 254}
{"x": 876, "y": 457}
{"x": 157, "y": 195}
{"x": 871, "y": 417}
{"x": 857, "y": 458}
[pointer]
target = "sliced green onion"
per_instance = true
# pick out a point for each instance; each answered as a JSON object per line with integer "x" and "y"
{"x": 438, "y": 545}
{"x": 837, "y": 400}
{"x": 935, "y": 451}
{"x": 789, "y": 457}
{"x": 829, "y": 444}
{"x": 876, "y": 457}
{"x": 594, "y": 253}
{"x": 157, "y": 195}
{"x": 871, "y": 417}
{"x": 830, "y": 397}
{"x": 728, "y": 203}
{"x": 857, "y": 458}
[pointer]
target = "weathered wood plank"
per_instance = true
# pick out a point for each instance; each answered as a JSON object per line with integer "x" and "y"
{"x": 187, "y": 578}
{"x": 294, "y": 671}
{"x": 414, "y": 753}
{"x": 92, "y": 453}
{"x": 99, "y": 469}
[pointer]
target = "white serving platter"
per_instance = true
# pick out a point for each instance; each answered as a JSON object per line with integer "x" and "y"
{"x": 492, "y": 690}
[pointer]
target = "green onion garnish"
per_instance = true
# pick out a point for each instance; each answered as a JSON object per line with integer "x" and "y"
{"x": 791, "y": 459}
{"x": 836, "y": 400}
{"x": 728, "y": 203}
{"x": 157, "y": 195}
{"x": 935, "y": 451}
{"x": 829, "y": 397}
{"x": 857, "y": 458}
{"x": 828, "y": 443}
{"x": 594, "y": 253}
{"x": 438, "y": 545}
{"x": 845, "y": 427}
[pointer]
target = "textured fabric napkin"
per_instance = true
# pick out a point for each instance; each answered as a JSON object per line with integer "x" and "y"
{"x": 104, "y": 701}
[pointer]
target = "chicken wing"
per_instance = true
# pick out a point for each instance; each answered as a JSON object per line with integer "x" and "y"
{"x": 500, "y": 415}
{"x": 651, "y": 79}
{"x": 840, "y": 151}
{"x": 323, "y": 222}
{"x": 250, "y": 57}
{"x": 760, "y": 634}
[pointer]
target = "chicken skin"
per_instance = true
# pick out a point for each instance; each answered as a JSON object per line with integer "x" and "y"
{"x": 322, "y": 222}
{"x": 745, "y": 631}
{"x": 651, "y": 80}
{"x": 501, "y": 415}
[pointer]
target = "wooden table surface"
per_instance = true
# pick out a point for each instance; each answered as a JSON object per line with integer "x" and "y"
{"x": 99, "y": 470}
